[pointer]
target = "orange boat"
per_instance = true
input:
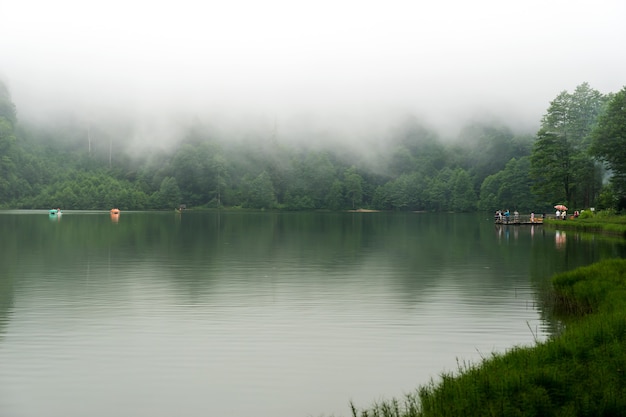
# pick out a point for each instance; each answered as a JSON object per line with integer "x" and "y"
{"x": 115, "y": 211}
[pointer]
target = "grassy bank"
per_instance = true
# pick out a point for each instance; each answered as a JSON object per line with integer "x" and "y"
{"x": 601, "y": 222}
{"x": 581, "y": 372}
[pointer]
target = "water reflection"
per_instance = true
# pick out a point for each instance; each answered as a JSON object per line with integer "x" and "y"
{"x": 506, "y": 232}
{"x": 294, "y": 312}
{"x": 559, "y": 238}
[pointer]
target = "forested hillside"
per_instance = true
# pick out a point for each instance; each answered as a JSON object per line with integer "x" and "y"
{"x": 79, "y": 164}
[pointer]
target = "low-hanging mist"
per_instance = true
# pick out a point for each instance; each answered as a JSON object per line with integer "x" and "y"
{"x": 318, "y": 71}
{"x": 297, "y": 106}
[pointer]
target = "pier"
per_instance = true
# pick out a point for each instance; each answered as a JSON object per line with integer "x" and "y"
{"x": 518, "y": 220}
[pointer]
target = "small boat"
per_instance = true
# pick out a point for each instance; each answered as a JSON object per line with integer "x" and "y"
{"x": 55, "y": 212}
{"x": 115, "y": 211}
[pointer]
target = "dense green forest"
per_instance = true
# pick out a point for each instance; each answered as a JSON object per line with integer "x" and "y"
{"x": 577, "y": 158}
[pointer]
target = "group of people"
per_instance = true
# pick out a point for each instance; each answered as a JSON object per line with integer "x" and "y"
{"x": 563, "y": 214}
{"x": 504, "y": 216}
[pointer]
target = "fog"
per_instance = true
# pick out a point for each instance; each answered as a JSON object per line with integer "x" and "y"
{"x": 323, "y": 69}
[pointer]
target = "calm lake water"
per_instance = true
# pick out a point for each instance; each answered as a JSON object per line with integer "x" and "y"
{"x": 261, "y": 314}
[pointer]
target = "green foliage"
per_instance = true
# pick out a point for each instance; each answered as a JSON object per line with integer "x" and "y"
{"x": 261, "y": 192}
{"x": 463, "y": 195}
{"x": 485, "y": 150}
{"x": 88, "y": 191}
{"x": 82, "y": 164}
{"x": 298, "y": 202}
{"x": 7, "y": 108}
{"x": 593, "y": 288}
{"x": 511, "y": 187}
{"x": 334, "y": 199}
{"x": 550, "y": 163}
{"x": 608, "y": 198}
{"x": 609, "y": 140}
{"x": 190, "y": 168}
{"x": 560, "y": 163}
{"x": 407, "y": 192}
{"x": 8, "y": 150}
{"x": 169, "y": 195}
{"x": 353, "y": 184}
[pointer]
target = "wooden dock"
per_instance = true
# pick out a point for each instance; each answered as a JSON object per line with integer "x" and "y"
{"x": 519, "y": 220}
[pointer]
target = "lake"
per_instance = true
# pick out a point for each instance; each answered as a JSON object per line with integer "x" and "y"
{"x": 261, "y": 313}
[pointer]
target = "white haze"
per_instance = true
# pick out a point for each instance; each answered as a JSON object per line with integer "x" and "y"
{"x": 340, "y": 69}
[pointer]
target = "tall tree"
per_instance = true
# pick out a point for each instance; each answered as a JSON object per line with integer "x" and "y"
{"x": 218, "y": 165}
{"x": 550, "y": 167}
{"x": 560, "y": 164}
{"x": 609, "y": 141}
{"x": 354, "y": 186}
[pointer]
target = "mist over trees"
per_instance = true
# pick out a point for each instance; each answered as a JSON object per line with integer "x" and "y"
{"x": 89, "y": 164}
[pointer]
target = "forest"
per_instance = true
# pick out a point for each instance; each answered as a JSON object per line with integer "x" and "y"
{"x": 577, "y": 158}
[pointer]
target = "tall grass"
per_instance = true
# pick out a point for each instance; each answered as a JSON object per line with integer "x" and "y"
{"x": 580, "y": 372}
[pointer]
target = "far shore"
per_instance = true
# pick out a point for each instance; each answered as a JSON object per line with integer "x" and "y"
{"x": 363, "y": 211}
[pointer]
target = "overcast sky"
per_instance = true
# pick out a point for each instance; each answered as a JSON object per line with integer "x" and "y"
{"x": 444, "y": 60}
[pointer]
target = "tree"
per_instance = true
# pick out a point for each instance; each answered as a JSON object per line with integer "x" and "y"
{"x": 550, "y": 167}
{"x": 191, "y": 168}
{"x": 489, "y": 200}
{"x": 7, "y": 108}
{"x": 463, "y": 194}
{"x": 486, "y": 149}
{"x": 609, "y": 140}
{"x": 354, "y": 186}
{"x": 219, "y": 167}
{"x": 560, "y": 163}
{"x": 334, "y": 199}
{"x": 509, "y": 188}
{"x": 169, "y": 194}
{"x": 407, "y": 192}
{"x": 8, "y": 150}
{"x": 261, "y": 192}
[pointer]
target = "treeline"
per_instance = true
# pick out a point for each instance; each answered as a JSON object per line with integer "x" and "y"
{"x": 76, "y": 165}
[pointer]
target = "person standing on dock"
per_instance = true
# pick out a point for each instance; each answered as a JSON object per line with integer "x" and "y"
{"x": 532, "y": 217}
